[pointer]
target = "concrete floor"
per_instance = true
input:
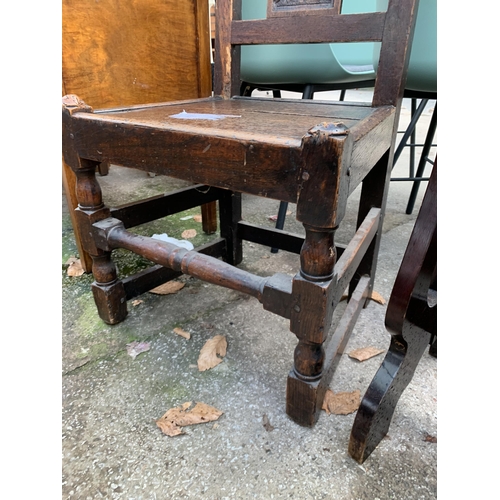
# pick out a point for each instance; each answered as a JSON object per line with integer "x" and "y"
{"x": 111, "y": 445}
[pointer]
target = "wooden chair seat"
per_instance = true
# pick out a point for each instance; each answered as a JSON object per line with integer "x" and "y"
{"x": 263, "y": 142}
{"x": 311, "y": 153}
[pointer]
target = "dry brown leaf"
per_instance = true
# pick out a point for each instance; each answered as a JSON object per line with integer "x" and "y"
{"x": 169, "y": 428}
{"x": 137, "y": 302}
{"x": 341, "y": 403}
{"x": 430, "y": 439}
{"x": 274, "y": 218}
{"x": 197, "y": 218}
{"x": 189, "y": 233}
{"x": 135, "y": 348}
{"x": 266, "y": 423}
{"x": 185, "y": 415}
{"x": 375, "y": 296}
{"x": 365, "y": 353}
{"x": 378, "y": 298}
{"x": 210, "y": 352}
{"x": 168, "y": 288}
{"x": 182, "y": 333}
{"x": 75, "y": 267}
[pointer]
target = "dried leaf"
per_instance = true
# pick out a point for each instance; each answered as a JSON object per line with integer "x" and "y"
{"x": 210, "y": 352}
{"x": 137, "y": 302}
{"x": 274, "y": 218}
{"x": 198, "y": 218}
{"x": 267, "y": 425}
{"x": 168, "y": 288}
{"x": 182, "y": 333}
{"x": 341, "y": 403}
{"x": 430, "y": 439}
{"x": 75, "y": 267}
{"x": 365, "y": 353}
{"x": 169, "y": 428}
{"x": 377, "y": 298}
{"x": 185, "y": 415}
{"x": 135, "y": 348}
{"x": 189, "y": 233}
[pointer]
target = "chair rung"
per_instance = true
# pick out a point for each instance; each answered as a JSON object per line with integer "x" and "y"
{"x": 412, "y": 179}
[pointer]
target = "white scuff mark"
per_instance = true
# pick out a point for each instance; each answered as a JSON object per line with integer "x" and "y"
{"x": 184, "y": 115}
{"x": 180, "y": 243}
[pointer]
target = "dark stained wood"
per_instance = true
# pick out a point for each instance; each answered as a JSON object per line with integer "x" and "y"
{"x": 412, "y": 323}
{"x": 154, "y": 276}
{"x": 274, "y": 238}
{"x": 312, "y": 153}
{"x": 150, "y": 209}
{"x": 309, "y": 29}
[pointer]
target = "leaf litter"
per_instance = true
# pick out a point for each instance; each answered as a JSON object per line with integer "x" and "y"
{"x": 188, "y": 234}
{"x": 74, "y": 267}
{"x": 182, "y": 333}
{"x": 365, "y": 353}
{"x": 135, "y": 348}
{"x": 212, "y": 352}
{"x": 375, "y": 296}
{"x": 266, "y": 423}
{"x": 168, "y": 288}
{"x": 341, "y": 403}
{"x": 182, "y": 416}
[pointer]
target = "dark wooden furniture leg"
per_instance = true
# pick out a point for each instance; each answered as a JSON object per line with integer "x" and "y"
{"x": 374, "y": 192}
{"x": 310, "y": 321}
{"x": 69, "y": 185}
{"x": 412, "y": 323}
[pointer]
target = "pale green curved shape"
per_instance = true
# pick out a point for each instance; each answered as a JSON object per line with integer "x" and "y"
{"x": 341, "y": 62}
{"x": 306, "y": 63}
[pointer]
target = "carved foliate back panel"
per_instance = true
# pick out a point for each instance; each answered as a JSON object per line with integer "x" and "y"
{"x": 279, "y": 8}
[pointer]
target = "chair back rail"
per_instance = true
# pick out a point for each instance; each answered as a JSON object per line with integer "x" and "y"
{"x": 298, "y": 22}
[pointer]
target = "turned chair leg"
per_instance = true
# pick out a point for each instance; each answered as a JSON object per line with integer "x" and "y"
{"x": 108, "y": 290}
{"x": 310, "y": 321}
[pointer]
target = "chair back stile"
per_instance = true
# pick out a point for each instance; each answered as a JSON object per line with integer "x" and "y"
{"x": 299, "y": 22}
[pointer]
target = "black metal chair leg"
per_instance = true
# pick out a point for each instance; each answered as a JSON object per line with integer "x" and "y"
{"x": 409, "y": 131}
{"x": 424, "y": 158}
{"x": 280, "y": 221}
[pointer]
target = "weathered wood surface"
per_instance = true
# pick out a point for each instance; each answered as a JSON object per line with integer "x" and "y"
{"x": 139, "y": 51}
{"x": 264, "y": 144}
{"x": 309, "y": 29}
